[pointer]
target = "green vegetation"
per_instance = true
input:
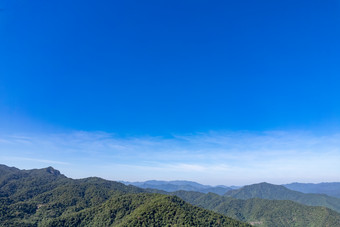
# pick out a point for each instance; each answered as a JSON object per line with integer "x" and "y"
{"x": 262, "y": 212}
{"x": 47, "y": 198}
{"x": 144, "y": 210}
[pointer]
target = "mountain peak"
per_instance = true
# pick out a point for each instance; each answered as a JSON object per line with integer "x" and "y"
{"x": 52, "y": 171}
{"x": 262, "y": 190}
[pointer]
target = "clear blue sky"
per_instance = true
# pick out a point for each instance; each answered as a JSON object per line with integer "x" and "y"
{"x": 164, "y": 70}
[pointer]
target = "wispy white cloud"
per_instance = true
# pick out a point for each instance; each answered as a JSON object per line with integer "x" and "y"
{"x": 216, "y": 157}
{"x": 45, "y": 161}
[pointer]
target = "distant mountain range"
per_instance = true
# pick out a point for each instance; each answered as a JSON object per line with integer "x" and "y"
{"x": 172, "y": 186}
{"x": 261, "y": 204}
{"x": 331, "y": 189}
{"x": 278, "y": 192}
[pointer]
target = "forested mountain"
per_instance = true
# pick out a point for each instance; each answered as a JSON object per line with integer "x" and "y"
{"x": 278, "y": 192}
{"x": 262, "y": 212}
{"x": 44, "y": 197}
{"x": 171, "y": 186}
{"x": 331, "y": 189}
{"x": 144, "y": 210}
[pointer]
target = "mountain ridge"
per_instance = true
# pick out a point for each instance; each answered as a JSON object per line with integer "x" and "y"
{"x": 328, "y": 188}
{"x": 278, "y": 192}
{"x": 176, "y": 185}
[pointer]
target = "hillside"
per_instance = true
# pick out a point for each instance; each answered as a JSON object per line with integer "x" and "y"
{"x": 44, "y": 197}
{"x": 331, "y": 189}
{"x": 278, "y": 192}
{"x": 171, "y": 186}
{"x": 144, "y": 210}
{"x": 262, "y": 212}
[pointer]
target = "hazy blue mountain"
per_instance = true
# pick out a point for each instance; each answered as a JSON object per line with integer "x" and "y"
{"x": 171, "y": 186}
{"x": 331, "y": 189}
{"x": 278, "y": 192}
{"x": 235, "y": 187}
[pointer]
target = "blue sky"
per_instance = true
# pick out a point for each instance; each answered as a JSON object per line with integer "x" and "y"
{"x": 132, "y": 87}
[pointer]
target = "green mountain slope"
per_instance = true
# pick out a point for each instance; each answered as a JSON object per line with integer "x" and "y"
{"x": 45, "y": 197}
{"x": 144, "y": 210}
{"x": 278, "y": 192}
{"x": 262, "y": 212}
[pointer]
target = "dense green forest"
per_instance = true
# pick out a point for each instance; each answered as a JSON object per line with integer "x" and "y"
{"x": 45, "y": 197}
{"x": 144, "y": 210}
{"x": 262, "y": 212}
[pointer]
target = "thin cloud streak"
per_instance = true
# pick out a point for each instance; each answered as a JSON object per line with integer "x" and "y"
{"x": 35, "y": 160}
{"x": 218, "y": 157}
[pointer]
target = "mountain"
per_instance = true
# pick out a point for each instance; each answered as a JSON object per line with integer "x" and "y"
{"x": 171, "y": 186}
{"x": 19, "y": 185}
{"x": 331, "y": 189}
{"x": 262, "y": 212}
{"x": 278, "y": 192}
{"x": 45, "y": 197}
